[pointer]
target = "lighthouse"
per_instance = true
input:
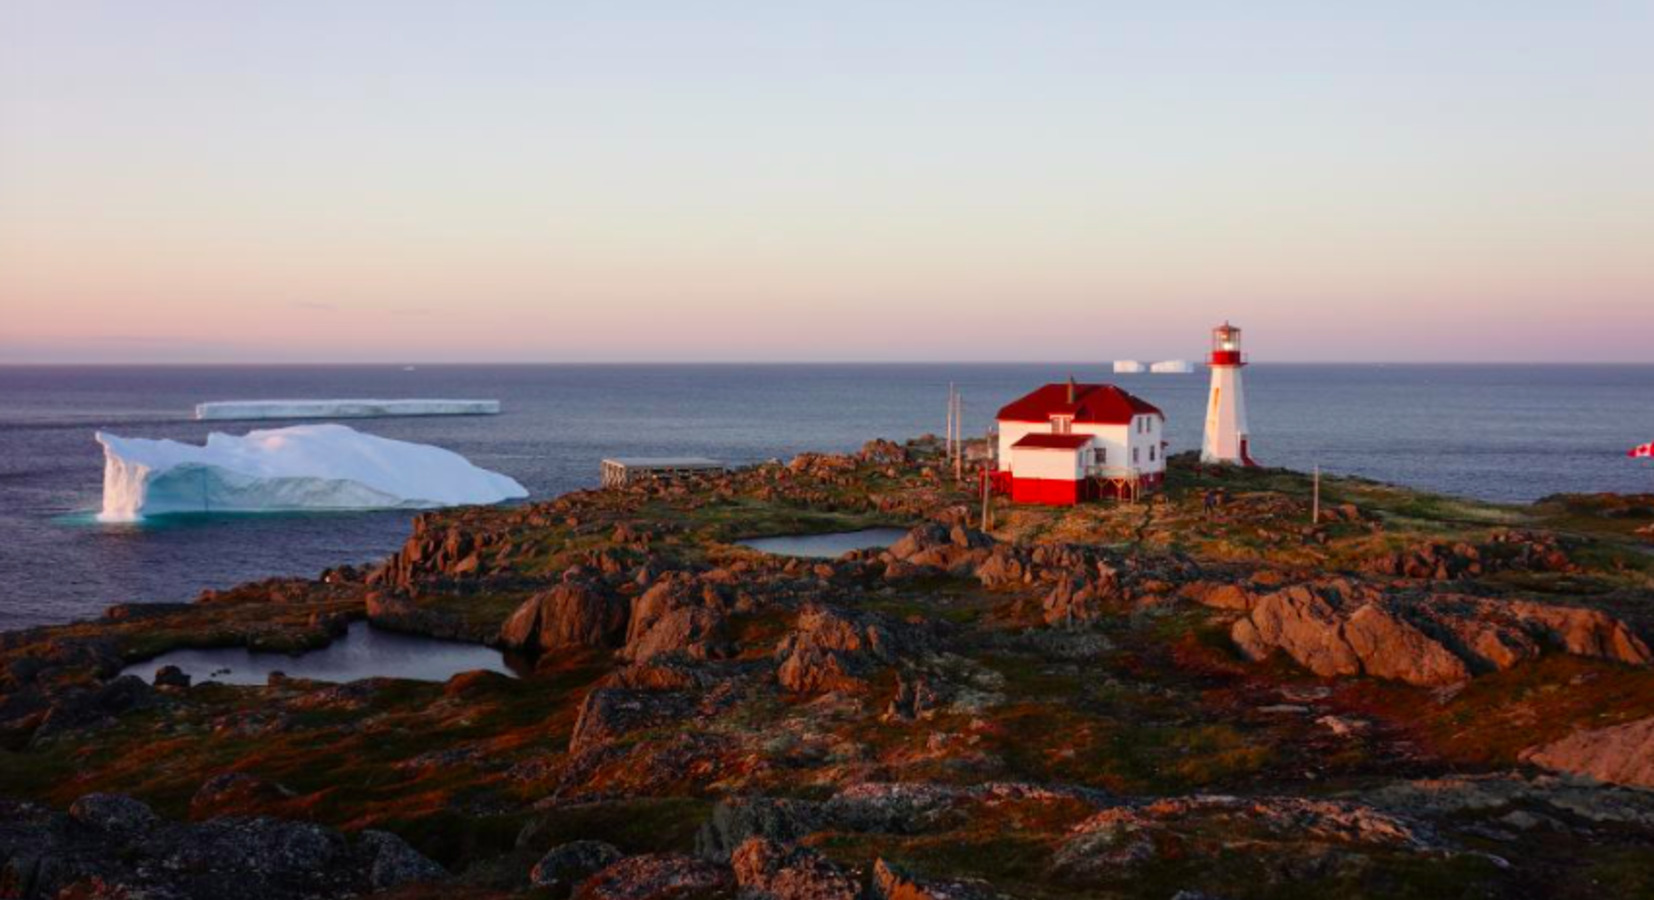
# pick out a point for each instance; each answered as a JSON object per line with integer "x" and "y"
{"x": 1226, "y": 432}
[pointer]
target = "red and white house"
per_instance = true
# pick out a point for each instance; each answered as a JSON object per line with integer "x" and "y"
{"x": 1066, "y": 443}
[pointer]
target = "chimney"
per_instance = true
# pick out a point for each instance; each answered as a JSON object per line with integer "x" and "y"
{"x": 1071, "y": 387}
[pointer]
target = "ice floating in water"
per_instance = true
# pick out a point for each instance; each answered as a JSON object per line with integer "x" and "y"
{"x": 1172, "y": 367}
{"x": 342, "y": 409}
{"x": 303, "y": 467}
{"x": 1127, "y": 367}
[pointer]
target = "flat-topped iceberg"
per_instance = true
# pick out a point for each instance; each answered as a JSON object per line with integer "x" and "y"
{"x": 342, "y": 409}
{"x": 303, "y": 467}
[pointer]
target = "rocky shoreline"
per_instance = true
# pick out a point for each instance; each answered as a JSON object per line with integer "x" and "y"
{"x": 1415, "y": 696}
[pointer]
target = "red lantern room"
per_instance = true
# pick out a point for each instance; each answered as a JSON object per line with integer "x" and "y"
{"x": 1226, "y": 346}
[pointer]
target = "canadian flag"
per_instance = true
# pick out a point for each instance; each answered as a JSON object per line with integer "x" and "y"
{"x": 1643, "y": 452}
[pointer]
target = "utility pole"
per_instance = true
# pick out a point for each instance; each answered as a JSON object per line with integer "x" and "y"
{"x": 987, "y": 510}
{"x": 959, "y": 437}
{"x": 949, "y": 439}
{"x": 1315, "y": 504}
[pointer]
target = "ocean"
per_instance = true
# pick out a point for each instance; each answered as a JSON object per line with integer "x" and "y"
{"x": 1496, "y": 432}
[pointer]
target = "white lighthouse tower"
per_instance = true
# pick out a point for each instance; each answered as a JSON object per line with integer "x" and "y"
{"x": 1226, "y": 431}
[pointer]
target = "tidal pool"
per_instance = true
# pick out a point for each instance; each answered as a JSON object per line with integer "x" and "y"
{"x": 363, "y": 652}
{"x": 826, "y": 546}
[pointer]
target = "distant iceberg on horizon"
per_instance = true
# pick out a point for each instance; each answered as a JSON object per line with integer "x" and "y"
{"x": 302, "y": 467}
{"x": 342, "y": 409}
{"x": 1172, "y": 367}
{"x": 1128, "y": 367}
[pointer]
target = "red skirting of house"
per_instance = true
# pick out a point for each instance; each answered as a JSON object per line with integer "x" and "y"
{"x": 1047, "y": 491}
{"x": 1054, "y": 492}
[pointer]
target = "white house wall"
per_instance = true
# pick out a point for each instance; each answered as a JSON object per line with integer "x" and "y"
{"x": 1119, "y": 440}
{"x": 1046, "y": 463}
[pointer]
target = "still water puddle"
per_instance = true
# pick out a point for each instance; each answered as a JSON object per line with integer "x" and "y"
{"x": 826, "y": 546}
{"x": 364, "y": 652}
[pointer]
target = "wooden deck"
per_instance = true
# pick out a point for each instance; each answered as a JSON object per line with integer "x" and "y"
{"x": 627, "y": 469}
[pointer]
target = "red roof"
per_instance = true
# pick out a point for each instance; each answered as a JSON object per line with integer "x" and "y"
{"x": 1096, "y": 404}
{"x": 1042, "y": 441}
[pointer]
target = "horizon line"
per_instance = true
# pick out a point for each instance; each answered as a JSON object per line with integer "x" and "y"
{"x": 770, "y": 362}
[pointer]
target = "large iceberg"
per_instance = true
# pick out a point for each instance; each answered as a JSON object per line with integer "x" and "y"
{"x": 342, "y": 409}
{"x": 303, "y": 467}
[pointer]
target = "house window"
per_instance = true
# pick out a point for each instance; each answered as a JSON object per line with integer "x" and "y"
{"x": 1102, "y": 456}
{"x": 1134, "y": 452}
{"x": 1151, "y": 454}
{"x": 1062, "y": 424}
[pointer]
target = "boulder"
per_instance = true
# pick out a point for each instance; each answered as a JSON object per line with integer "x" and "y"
{"x": 882, "y": 452}
{"x": 1336, "y": 628}
{"x": 833, "y": 649}
{"x": 171, "y": 676}
{"x": 1584, "y": 632}
{"x": 1113, "y": 842}
{"x": 766, "y": 870}
{"x": 571, "y": 614}
{"x": 1389, "y": 647}
{"x": 1076, "y": 601}
{"x": 116, "y": 813}
{"x": 391, "y": 862}
{"x": 896, "y": 807}
{"x": 565, "y": 866}
{"x": 235, "y": 794}
{"x": 1301, "y": 622}
{"x": 733, "y": 821}
{"x": 113, "y": 846}
{"x": 1621, "y": 754}
{"x": 659, "y": 876}
{"x": 697, "y": 632}
{"x": 608, "y": 713}
{"x": 891, "y": 882}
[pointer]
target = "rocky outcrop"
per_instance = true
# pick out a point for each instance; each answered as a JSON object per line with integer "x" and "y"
{"x": 1076, "y": 601}
{"x": 675, "y": 615}
{"x": 391, "y": 862}
{"x": 1550, "y": 796}
{"x": 881, "y": 452}
{"x": 564, "y": 867}
{"x": 1119, "y": 839}
{"x": 1343, "y": 628}
{"x": 1583, "y": 632}
{"x": 1506, "y": 551}
{"x": 766, "y": 870}
{"x": 896, "y": 807}
{"x": 609, "y": 713}
{"x": 115, "y": 846}
{"x": 571, "y": 614}
{"x": 80, "y": 708}
{"x": 661, "y": 876}
{"x": 734, "y": 821}
{"x": 832, "y": 649}
{"x": 891, "y": 882}
{"x": 1620, "y": 754}
{"x": 1080, "y": 584}
{"x": 396, "y": 611}
{"x": 1389, "y": 647}
{"x": 235, "y": 793}
{"x": 956, "y": 549}
{"x": 1304, "y": 623}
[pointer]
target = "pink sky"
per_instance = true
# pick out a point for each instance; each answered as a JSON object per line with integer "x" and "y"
{"x": 196, "y": 182}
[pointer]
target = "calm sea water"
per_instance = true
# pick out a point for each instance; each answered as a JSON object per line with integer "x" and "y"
{"x": 1497, "y": 432}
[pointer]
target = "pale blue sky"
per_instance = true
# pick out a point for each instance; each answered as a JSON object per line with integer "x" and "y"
{"x": 560, "y": 181}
